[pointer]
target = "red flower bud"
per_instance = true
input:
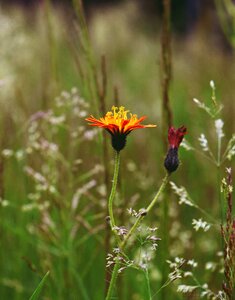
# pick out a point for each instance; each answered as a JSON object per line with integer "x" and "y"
{"x": 175, "y": 137}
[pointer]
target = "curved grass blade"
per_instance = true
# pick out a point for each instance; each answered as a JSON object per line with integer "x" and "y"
{"x": 39, "y": 287}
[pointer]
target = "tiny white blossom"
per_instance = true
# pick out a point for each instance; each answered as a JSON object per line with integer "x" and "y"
{"x": 74, "y": 90}
{"x": 65, "y": 94}
{"x": 200, "y": 224}
{"x": 56, "y": 120}
{"x": 203, "y": 142}
{"x": 231, "y": 148}
{"x": 186, "y": 288}
{"x": 7, "y": 153}
{"x": 210, "y": 266}
{"x": 4, "y": 202}
{"x": 219, "y": 128}
{"x": 19, "y": 155}
{"x": 196, "y": 101}
{"x": 185, "y": 144}
{"x": 188, "y": 274}
{"x": 212, "y": 84}
{"x": 192, "y": 263}
{"x": 182, "y": 193}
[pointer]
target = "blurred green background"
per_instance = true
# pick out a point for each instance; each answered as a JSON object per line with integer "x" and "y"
{"x": 52, "y": 187}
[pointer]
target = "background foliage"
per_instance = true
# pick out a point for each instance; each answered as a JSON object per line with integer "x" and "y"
{"x": 52, "y": 187}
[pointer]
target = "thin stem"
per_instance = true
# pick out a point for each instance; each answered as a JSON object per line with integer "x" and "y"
{"x": 123, "y": 244}
{"x": 113, "y": 280}
{"x": 219, "y": 179}
{"x": 141, "y": 216}
{"x": 167, "y": 282}
{"x": 146, "y": 273}
{"x": 219, "y": 151}
{"x": 206, "y": 214}
{"x": 219, "y": 195}
{"x": 211, "y": 159}
{"x": 114, "y": 188}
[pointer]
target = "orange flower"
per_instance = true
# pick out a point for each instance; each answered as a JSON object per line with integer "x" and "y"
{"x": 119, "y": 123}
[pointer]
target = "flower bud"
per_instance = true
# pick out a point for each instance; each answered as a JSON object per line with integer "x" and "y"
{"x": 175, "y": 137}
{"x": 171, "y": 162}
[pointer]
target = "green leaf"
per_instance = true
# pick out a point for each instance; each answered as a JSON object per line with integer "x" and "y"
{"x": 39, "y": 287}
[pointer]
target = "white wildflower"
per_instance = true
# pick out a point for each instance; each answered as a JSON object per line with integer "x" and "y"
{"x": 182, "y": 193}
{"x": 203, "y": 142}
{"x": 7, "y": 153}
{"x": 202, "y": 105}
{"x": 192, "y": 263}
{"x": 74, "y": 90}
{"x": 4, "y": 202}
{"x": 121, "y": 269}
{"x": 186, "y": 288}
{"x": 179, "y": 261}
{"x": 132, "y": 212}
{"x": 19, "y": 155}
{"x": 152, "y": 229}
{"x": 65, "y": 94}
{"x": 197, "y": 101}
{"x": 221, "y": 295}
{"x": 56, "y": 120}
{"x": 34, "y": 196}
{"x": 188, "y": 274}
{"x": 210, "y": 266}
{"x": 220, "y": 253}
{"x": 29, "y": 207}
{"x": 197, "y": 224}
{"x": 206, "y": 108}
{"x": 212, "y": 84}
{"x": 231, "y": 148}
{"x": 186, "y": 145}
{"x": 219, "y": 128}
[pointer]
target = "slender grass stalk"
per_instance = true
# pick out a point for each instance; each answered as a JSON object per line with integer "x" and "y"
{"x": 167, "y": 115}
{"x": 102, "y": 92}
{"x": 52, "y": 47}
{"x": 123, "y": 244}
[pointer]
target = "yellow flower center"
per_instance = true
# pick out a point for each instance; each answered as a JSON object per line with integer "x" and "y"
{"x": 118, "y": 114}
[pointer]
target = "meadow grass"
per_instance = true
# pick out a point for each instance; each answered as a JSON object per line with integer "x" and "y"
{"x": 53, "y": 190}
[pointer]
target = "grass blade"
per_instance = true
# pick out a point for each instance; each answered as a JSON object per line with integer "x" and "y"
{"x": 39, "y": 287}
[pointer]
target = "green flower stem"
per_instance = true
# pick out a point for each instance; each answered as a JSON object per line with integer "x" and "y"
{"x": 113, "y": 279}
{"x": 113, "y": 191}
{"x": 122, "y": 245}
{"x": 146, "y": 211}
{"x": 146, "y": 273}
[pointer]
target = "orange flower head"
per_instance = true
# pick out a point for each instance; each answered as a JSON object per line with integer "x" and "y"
{"x": 119, "y": 123}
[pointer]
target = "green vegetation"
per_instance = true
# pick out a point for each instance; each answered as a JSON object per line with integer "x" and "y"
{"x": 55, "y": 170}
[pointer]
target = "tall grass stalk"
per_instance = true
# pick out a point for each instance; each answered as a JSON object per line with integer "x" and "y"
{"x": 52, "y": 48}
{"x": 167, "y": 117}
{"x": 100, "y": 92}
